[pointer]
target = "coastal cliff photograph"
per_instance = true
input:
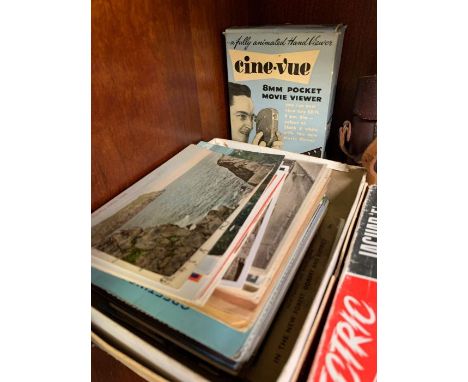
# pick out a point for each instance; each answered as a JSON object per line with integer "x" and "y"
{"x": 161, "y": 230}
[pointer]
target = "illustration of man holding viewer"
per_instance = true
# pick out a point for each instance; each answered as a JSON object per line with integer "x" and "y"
{"x": 242, "y": 119}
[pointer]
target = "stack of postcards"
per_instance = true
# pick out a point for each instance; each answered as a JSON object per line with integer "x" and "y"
{"x": 195, "y": 259}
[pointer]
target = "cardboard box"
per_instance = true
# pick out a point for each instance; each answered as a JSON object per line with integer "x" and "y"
{"x": 282, "y": 79}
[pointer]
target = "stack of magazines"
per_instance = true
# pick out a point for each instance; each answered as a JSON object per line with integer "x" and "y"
{"x": 195, "y": 259}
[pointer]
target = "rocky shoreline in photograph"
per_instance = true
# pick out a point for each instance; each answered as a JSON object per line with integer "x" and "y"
{"x": 249, "y": 171}
{"x": 109, "y": 225}
{"x": 165, "y": 248}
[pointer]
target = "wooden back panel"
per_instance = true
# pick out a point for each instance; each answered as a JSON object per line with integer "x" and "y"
{"x": 157, "y": 84}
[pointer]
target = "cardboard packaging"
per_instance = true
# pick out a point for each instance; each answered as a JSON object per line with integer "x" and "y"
{"x": 282, "y": 80}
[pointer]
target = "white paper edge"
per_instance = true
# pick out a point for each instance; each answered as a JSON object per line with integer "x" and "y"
{"x": 155, "y": 357}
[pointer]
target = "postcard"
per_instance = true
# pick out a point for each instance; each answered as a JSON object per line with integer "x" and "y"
{"x": 239, "y": 269}
{"x": 158, "y": 229}
{"x": 298, "y": 183}
{"x": 298, "y": 196}
{"x": 240, "y": 312}
{"x": 265, "y": 159}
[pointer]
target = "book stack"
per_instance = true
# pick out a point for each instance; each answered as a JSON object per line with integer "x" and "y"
{"x": 217, "y": 263}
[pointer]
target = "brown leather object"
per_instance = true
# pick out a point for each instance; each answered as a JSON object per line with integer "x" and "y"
{"x": 365, "y": 103}
{"x": 364, "y": 119}
{"x": 358, "y": 139}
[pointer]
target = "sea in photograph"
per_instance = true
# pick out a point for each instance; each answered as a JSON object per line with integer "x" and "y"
{"x": 189, "y": 198}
